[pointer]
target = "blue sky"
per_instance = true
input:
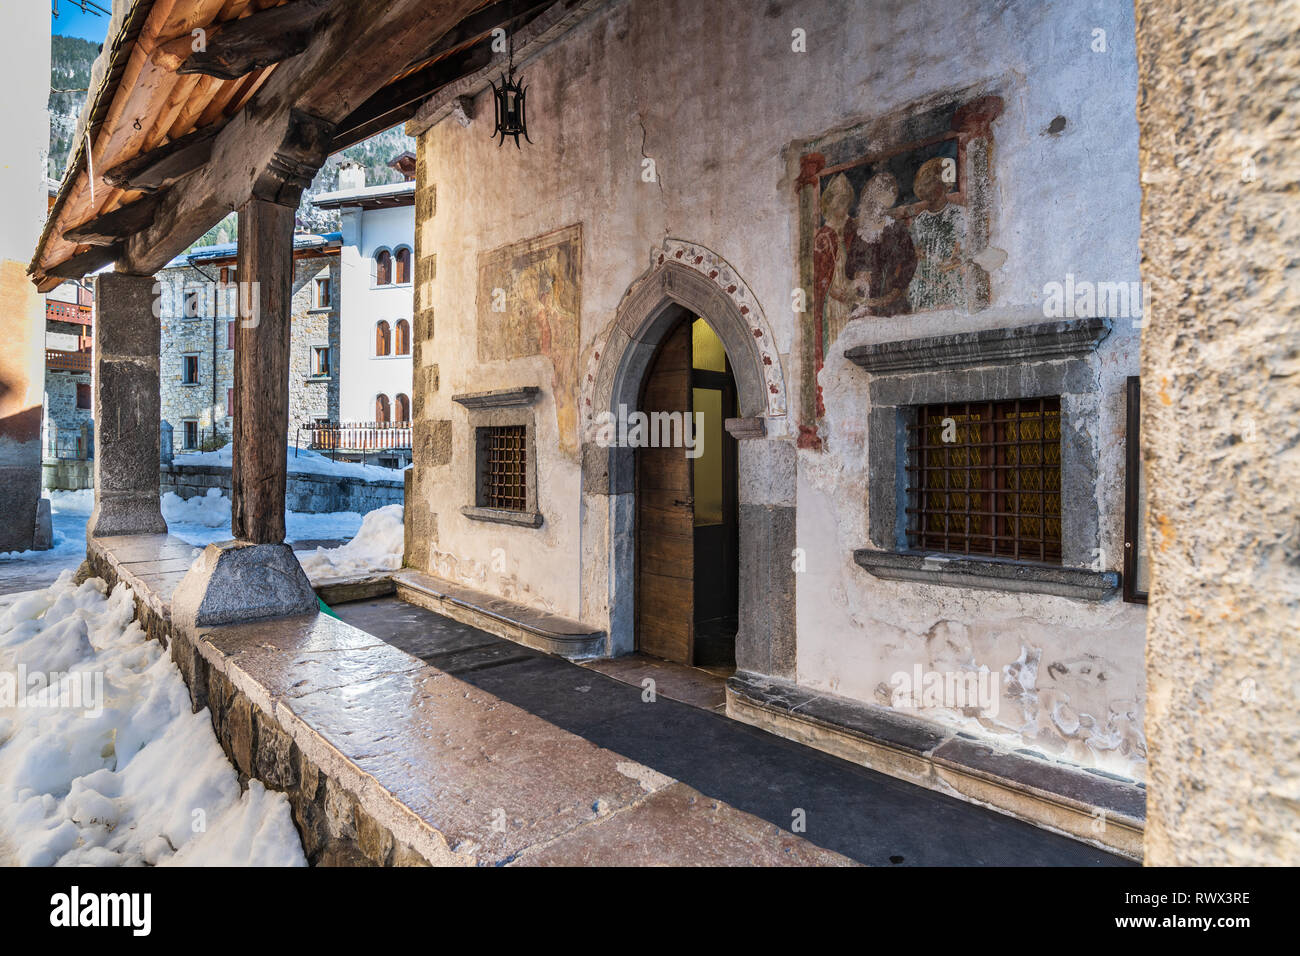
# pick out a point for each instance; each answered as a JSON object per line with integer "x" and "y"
{"x": 71, "y": 22}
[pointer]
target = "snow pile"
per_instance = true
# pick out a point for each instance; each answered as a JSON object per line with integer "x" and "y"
{"x": 377, "y": 547}
{"x": 303, "y": 462}
{"x": 211, "y": 510}
{"x": 72, "y": 502}
{"x": 101, "y": 761}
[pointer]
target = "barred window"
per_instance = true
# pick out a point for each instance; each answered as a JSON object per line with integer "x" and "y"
{"x": 503, "y": 467}
{"x": 984, "y": 478}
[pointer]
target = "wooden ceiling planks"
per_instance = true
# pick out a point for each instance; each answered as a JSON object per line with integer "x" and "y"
{"x": 163, "y": 103}
{"x": 361, "y": 48}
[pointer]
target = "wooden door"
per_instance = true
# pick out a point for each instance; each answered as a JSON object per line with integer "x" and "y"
{"x": 665, "y": 586}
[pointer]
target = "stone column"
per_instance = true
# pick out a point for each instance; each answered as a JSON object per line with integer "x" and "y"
{"x": 127, "y": 408}
{"x": 765, "y": 639}
{"x": 1219, "y": 116}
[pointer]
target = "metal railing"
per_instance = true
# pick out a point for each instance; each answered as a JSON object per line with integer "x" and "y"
{"x": 68, "y": 447}
{"x": 353, "y": 437}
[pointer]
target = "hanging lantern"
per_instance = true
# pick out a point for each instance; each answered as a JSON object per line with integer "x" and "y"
{"x": 511, "y": 118}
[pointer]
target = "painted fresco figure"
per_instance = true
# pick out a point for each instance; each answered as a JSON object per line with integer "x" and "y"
{"x": 937, "y": 282}
{"x": 882, "y": 258}
{"x": 834, "y": 294}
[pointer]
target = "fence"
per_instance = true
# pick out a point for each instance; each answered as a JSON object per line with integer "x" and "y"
{"x": 69, "y": 445}
{"x": 354, "y": 437}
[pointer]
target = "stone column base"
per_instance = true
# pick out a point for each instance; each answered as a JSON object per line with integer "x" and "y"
{"x": 116, "y": 514}
{"x": 236, "y": 581}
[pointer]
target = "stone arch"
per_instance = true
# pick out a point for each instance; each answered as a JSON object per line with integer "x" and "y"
{"x": 697, "y": 279}
{"x": 687, "y": 279}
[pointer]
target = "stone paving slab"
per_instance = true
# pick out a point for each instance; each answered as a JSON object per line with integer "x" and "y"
{"x": 456, "y": 772}
{"x": 679, "y": 682}
{"x": 865, "y": 815}
{"x": 674, "y": 824}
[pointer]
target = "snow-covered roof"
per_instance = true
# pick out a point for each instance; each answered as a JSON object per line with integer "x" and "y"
{"x": 227, "y": 250}
{"x": 390, "y": 194}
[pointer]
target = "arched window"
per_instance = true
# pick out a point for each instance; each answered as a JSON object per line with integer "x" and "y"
{"x": 403, "y": 265}
{"x": 383, "y": 339}
{"x": 403, "y": 409}
{"x": 381, "y": 408}
{"x": 384, "y": 267}
{"x": 403, "y": 338}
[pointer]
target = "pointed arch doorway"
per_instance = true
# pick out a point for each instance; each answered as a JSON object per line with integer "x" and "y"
{"x": 687, "y": 495}
{"x": 687, "y": 280}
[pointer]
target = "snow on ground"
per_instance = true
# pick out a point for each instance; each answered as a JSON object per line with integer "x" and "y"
{"x": 302, "y": 461}
{"x": 376, "y": 547}
{"x": 198, "y": 521}
{"x": 108, "y": 765}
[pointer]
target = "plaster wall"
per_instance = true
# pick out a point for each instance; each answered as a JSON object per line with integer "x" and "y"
{"x": 24, "y": 53}
{"x": 718, "y": 100}
{"x": 364, "y": 304}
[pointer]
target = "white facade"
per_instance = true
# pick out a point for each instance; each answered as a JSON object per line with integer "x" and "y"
{"x": 375, "y": 220}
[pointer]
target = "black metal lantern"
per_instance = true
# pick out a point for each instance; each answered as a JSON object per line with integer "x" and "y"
{"x": 511, "y": 118}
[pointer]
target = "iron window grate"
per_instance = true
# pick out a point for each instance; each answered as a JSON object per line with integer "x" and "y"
{"x": 994, "y": 486}
{"x": 505, "y": 468}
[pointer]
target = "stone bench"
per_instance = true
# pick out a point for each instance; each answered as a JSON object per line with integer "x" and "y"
{"x": 531, "y": 627}
{"x": 1091, "y": 806}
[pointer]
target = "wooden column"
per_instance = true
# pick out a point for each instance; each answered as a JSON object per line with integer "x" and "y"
{"x": 264, "y": 314}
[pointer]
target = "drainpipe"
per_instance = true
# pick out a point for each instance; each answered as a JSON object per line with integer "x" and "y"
{"x": 216, "y": 309}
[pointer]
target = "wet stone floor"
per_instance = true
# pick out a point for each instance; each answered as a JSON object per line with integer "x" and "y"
{"x": 864, "y": 815}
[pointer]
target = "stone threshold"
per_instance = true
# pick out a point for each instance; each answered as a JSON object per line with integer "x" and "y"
{"x": 1095, "y": 808}
{"x": 386, "y": 760}
{"x": 516, "y": 622}
{"x": 359, "y": 588}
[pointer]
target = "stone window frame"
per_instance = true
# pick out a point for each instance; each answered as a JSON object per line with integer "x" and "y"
{"x": 1027, "y": 361}
{"x": 193, "y": 290}
{"x": 315, "y": 292}
{"x": 185, "y": 446}
{"x": 198, "y": 369}
{"x": 314, "y": 372}
{"x": 499, "y": 408}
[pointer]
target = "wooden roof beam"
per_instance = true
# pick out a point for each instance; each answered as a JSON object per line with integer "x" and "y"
{"x": 236, "y": 48}
{"x": 112, "y": 227}
{"x": 167, "y": 164}
{"x": 87, "y": 262}
{"x": 270, "y": 148}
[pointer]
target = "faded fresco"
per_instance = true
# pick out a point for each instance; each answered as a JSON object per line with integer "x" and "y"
{"x": 891, "y": 230}
{"x": 530, "y": 303}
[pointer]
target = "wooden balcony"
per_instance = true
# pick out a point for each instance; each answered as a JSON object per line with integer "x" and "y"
{"x": 68, "y": 312}
{"x": 57, "y": 360}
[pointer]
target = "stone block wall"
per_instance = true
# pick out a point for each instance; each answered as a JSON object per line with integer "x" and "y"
{"x": 311, "y": 397}
{"x": 309, "y": 494}
{"x": 61, "y": 409}
{"x": 1219, "y": 118}
{"x": 334, "y": 828}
